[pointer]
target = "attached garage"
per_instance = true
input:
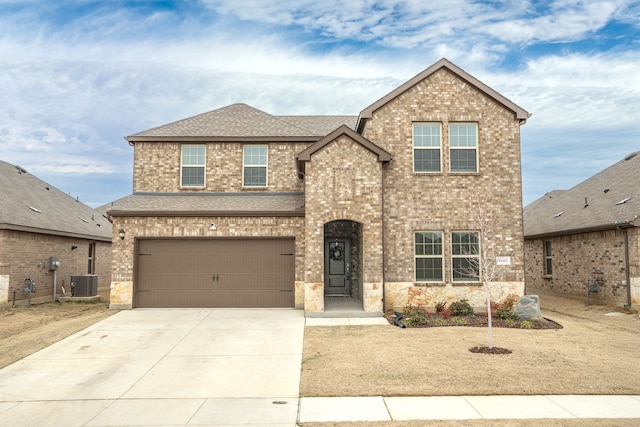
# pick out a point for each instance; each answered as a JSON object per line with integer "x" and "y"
{"x": 215, "y": 273}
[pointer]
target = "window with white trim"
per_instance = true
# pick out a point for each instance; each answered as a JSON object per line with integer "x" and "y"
{"x": 465, "y": 256}
{"x": 254, "y": 166}
{"x": 192, "y": 164}
{"x": 426, "y": 147}
{"x": 428, "y": 256}
{"x": 91, "y": 259}
{"x": 548, "y": 258}
{"x": 463, "y": 147}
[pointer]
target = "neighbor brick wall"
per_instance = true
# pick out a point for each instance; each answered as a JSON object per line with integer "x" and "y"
{"x": 580, "y": 257}
{"x": 445, "y": 201}
{"x": 26, "y": 255}
{"x": 156, "y": 167}
{"x": 196, "y": 227}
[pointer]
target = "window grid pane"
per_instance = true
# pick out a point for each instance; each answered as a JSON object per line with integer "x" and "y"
{"x": 463, "y": 143}
{"x": 428, "y": 256}
{"x": 465, "y": 249}
{"x": 254, "y": 166}
{"x": 426, "y": 147}
{"x": 193, "y": 162}
{"x": 463, "y": 160}
{"x": 255, "y": 176}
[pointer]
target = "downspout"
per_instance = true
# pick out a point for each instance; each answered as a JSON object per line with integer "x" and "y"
{"x": 626, "y": 266}
{"x": 383, "y": 167}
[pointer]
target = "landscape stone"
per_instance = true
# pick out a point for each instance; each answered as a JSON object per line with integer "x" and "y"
{"x": 528, "y": 307}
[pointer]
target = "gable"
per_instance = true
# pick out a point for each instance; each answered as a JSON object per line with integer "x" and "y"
{"x": 305, "y": 155}
{"x": 367, "y": 113}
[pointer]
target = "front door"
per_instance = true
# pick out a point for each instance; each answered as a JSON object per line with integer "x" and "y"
{"x": 337, "y": 266}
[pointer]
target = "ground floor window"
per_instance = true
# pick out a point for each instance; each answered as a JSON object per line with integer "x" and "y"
{"x": 465, "y": 256}
{"x": 548, "y": 259}
{"x": 428, "y": 256}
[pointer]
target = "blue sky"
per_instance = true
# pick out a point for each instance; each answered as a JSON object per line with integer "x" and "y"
{"x": 76, "y": 76}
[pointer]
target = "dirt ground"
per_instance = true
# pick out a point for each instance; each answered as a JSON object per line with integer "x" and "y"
{"x": 27, "y": 329}
{"x": 594, "y": 353}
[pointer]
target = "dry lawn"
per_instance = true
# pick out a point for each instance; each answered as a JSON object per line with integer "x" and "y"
{"x": 27, "y": 329}
{"x": 592, "y": 354}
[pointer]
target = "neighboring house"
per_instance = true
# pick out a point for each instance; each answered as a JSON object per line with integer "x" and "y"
{"x": 587, "y": 235}
{"x": 40, "y": 224}
{"x": 240, "y": 208}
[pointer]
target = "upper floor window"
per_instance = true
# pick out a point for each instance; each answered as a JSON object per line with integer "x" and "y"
{"x": 254, "y": 166}
{"x": 192, "y": 166}
{"x": 463, "y": 147}
{"x": 548, "y": 259}
{"x": 428, "y": 256}
{"x": 465, "y": 254}
{"x": 426, "y": 147}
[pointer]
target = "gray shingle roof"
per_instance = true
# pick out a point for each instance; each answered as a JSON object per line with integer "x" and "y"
{"x": 197, "y": 204}
{"x": 244, "y": 121}
{"x": 612, "y": 197}
{"x": 30, "y": 204}
{"x": 321, "y": 125}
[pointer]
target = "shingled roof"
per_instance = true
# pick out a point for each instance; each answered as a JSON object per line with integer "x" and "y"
{"x": 607, "y": 200}
{"x": 209, "y": 204}
{"x": 30, "y": 204}
{"x": 241, "y": 122}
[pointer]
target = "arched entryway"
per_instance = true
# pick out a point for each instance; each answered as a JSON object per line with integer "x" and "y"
{"x": 343, "y": 265}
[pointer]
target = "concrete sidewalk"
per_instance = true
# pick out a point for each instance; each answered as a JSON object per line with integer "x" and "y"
{"x": 378, "y": 408}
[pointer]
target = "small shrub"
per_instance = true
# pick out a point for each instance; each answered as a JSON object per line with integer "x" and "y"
{"x": 460, "y": 320}
{"x": 526, "y": 324}
{"x": 461, "y": 308}
{"x": 440, "y": 306}
{"x": 510, "y": 301}
{"x": 439, "y": 322}
{"x": 415, "y": 316}
{"x": 510, "y": 323}
{"x": 506, "y": 314}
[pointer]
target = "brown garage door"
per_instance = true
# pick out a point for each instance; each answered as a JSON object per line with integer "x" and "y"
{"x": 215, "y": 273}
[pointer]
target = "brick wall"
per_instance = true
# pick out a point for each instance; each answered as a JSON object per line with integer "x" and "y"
{"x": 342, "y": 182}
{"x": 26, "y": 255}
{"x": 446, "y": 201}
{"x": 578, "y": 258}
{"x": 157, "y": 167}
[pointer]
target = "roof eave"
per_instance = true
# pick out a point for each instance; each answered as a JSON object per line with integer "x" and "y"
{"x": 204, "y": 213}
{"x": 613, "y": 226}
{"x": 135, "y": 138}
{"x": 49, "y": 232}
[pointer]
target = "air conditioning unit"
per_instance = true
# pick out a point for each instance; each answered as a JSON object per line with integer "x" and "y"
{"x": 85, "y": 285}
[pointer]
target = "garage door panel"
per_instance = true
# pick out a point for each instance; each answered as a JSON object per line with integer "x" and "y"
{"x": 215, "y": 273}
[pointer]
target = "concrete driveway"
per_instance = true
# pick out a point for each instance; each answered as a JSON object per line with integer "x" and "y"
{"x": 163, "y": 367}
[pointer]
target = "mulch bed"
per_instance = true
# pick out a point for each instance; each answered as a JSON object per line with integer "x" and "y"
{"x": 477, "y": 320}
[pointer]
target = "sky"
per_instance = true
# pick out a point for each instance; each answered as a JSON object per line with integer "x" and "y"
{"x": 77, "y": 76}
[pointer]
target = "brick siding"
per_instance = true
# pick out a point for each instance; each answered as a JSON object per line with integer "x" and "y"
{"x": 26, "y": 255}
{"x": 578, "y": 258}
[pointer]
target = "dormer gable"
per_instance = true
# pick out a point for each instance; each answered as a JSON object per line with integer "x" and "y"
{"x": 305, "y": 155}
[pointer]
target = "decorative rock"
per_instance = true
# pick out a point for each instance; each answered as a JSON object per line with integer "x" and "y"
{"x": 528, "y": 307}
